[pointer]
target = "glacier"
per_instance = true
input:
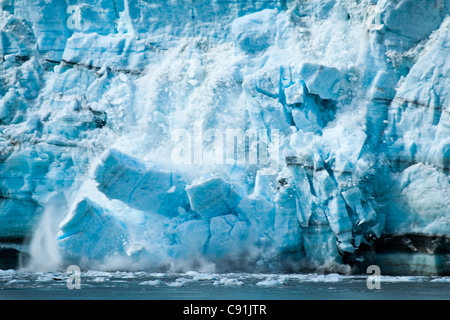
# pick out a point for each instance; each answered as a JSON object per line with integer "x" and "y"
{"x": 221, "y": 136}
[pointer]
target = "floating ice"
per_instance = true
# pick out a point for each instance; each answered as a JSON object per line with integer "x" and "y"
{"x": 270, "y": 282}
{"x": 152, "y": 283}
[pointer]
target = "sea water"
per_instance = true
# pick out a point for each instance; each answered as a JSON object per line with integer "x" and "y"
{"x": 121, "y": 285}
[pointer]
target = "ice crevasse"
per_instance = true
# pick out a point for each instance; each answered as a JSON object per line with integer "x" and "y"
{"x": 270, "y": 135}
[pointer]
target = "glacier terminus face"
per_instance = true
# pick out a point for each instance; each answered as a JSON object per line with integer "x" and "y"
{"x": 222, "y": 136}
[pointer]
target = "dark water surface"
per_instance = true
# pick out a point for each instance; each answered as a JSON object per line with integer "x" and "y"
{"x": 211, "y": 286}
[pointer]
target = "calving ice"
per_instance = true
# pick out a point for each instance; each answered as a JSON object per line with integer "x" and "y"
{"x": 262, "y": 136}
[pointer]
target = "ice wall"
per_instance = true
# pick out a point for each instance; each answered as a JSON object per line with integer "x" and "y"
{"x": 281, "y": 135}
